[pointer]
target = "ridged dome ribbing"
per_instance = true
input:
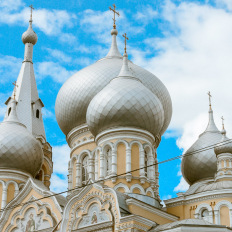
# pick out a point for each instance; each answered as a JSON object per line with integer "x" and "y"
{"x": 75, "y": 95}
{"x": 200, "y": 162}
{"x": 125, "y": 102}
{"x": 18, "y": 148}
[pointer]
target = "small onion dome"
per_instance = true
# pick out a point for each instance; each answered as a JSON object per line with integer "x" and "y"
{"x": 76, "y": 93}
{"x": 18, "y": 148}
{"x": 29, "y": 36}
{"x": 225, "y": 146}
{"x": 200, "y": 162}
{"x": 125, "y": 102}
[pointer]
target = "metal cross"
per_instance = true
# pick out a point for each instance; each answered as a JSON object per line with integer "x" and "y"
{"x": 209, "y": 99}
{"x": 126, "y": 38}
{"x": 31, "y": 6}
{"x": 222, "y": 122}
{"x": 115, "y": 13}
{"x": 15, "y": 84}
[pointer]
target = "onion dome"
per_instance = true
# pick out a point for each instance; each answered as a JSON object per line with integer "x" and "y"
{"x": 125, "y": 102}
{"x": 29, "y": 36}
{"x": 75, "y": 95}
{"x": 18, "y": 148}
{"x": 226, "y": 145}
{"x": 200, "y": 162}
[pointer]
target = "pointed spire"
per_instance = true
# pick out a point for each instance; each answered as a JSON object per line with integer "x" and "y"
{"x": 211, "y": 127}
{"x": 29, "y": 105}
{"x": 114, "y": 52}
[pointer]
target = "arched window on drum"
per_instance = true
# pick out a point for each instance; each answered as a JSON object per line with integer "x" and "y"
{"x": 84, "y": 169}
{"x": 108, "y": 159}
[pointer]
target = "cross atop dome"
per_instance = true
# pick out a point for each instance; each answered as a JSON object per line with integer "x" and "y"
{"x": 210, "y": 96}
{"x": 31, "y": 6}
{"x": 115, "y": 13}
{"x": 126, "y": 38}
{"x": 15, "y": 86}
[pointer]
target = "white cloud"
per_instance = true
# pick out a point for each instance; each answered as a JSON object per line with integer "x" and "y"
{"x": 53, "y": 70}
{"x": 51, "y": 22}
{"x": 48, "y": 114}
{"x": 59, "y": 55}
{"x": 9, "y": 68}
{"x": 224, "y": 3}
{"x": 146, "y": 15}
{"x": 182, "y": 186}
{"x": 59, "y": 181}
{"x": 193, "y": 57}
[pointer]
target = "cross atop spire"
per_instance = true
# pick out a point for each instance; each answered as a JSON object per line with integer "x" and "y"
{"x": 115, "y": 13}
{"x": 126, "y": 38}
{"x": 222, "y": 118}
{"x": 31, "y": 6}
{"x": 15, "y": 86}
{"x": 210, "y": 96}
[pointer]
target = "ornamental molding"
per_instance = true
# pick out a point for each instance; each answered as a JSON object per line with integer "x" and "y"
{"x": 75, "y": 132}
{"x": 14, "y": 174}
{"x": 125, "y": 133}
{"x": 152, "y": 209}
{"x": 30, "y": 184}
{"x": 139, "y": 219}
{"x": 78, "y": 201}
{"x": 185, "y": 200}
{"x": 100, "y": 227}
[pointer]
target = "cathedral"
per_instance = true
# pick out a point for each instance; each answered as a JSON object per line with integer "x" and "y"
{"x": 113, "y": 114}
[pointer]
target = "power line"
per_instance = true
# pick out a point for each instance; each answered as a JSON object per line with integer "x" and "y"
{"x": 122, "y": 174}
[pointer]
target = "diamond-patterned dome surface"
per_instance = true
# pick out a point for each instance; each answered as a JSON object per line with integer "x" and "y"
{"x": 77, "y": 92}
{"x": 29, "y": 36}
{"x": 197, "y": 165}
{"x": 125, "y": 102}
{"x": 19, "y": 149}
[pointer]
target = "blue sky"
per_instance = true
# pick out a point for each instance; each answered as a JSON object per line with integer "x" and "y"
{"x": 187, "y": 44}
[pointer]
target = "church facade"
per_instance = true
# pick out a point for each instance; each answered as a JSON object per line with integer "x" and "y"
{"x": 113, "y": 114}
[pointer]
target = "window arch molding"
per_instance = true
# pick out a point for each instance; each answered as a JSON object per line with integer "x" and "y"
{"x": 217, "y": 211}
{"x": 121, "y": 185}
{"x": 201, "y": 208}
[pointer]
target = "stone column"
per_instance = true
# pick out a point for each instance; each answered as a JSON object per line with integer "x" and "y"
{"x": 141, "y": 165}
{"x": 114, "y": 165}
{"x": 4, "y": 197}
{"x": 78, "y": 174}
{"x": 128, "y": 164}
{"x": 216, "y": 214}
{"x": 96, "y": 167}
{"x": 102, "y": 173}
{"x": 70, "y": 178}
{"x": 91, "y": 168}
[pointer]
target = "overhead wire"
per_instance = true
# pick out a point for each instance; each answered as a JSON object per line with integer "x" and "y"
{"x": 118, "y": 175}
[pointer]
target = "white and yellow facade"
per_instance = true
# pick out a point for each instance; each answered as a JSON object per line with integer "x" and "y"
{"x": 113, "y": 114}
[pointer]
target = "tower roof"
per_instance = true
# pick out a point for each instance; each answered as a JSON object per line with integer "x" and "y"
{"x": 29, "y": 104}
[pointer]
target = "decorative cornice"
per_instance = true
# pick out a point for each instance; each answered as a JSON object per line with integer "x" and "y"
{"x": 198, "y": 197}
{"x": 124, "y": 133}
{"x": 139, "y": 219}
{"x": 152, "y": 209}
{"x": 75, "y": 132}
{"x": 100, "y": 227}
{"x": 14, "y": 174}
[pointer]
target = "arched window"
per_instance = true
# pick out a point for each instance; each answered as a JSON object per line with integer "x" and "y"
{"x": 108, "y": 161}
{"x": 85, "y": 170}
{"x": 9, "y": 110}
{"x": 37, "y": 113}
{"x": 205, "y": 214}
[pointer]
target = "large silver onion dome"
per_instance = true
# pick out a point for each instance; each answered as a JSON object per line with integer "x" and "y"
{"x": 18, "y": 148}
{"x": 77, "y": 92}
{"x": 199, "y": 162}
{"x": 125, "y": 102}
